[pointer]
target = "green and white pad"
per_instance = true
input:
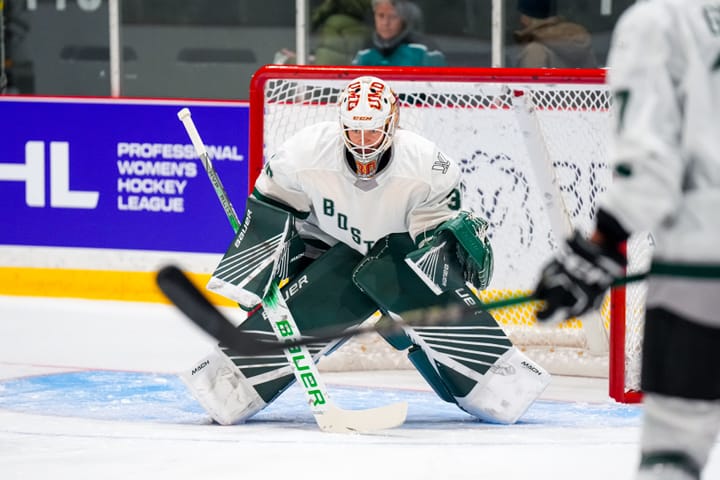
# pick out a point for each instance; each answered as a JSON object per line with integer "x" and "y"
{"x": 321, "y": 296}
{"x": 221, "y": 388}
{"x": 472, "y": 364}
{"x": 457, "y": 253}
{"x": 266, "y": 247}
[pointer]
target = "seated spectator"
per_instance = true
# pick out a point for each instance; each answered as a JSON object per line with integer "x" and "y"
{"x": 396, "y": 40}
{"x": 550, "y": 41}
{"x": 340, "y": 28}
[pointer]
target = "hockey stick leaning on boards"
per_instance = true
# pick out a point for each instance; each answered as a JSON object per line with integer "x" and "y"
{"x": 329, "y": 417}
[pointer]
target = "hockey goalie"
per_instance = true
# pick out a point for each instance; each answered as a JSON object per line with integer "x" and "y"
{"x": 352, "y": 217}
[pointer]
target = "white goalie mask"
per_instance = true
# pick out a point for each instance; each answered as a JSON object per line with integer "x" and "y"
{"x": 368, "y": 117}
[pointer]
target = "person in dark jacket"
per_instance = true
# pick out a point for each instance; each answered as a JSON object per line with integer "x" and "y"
{"x": 550, "y": 41}
{"x": 339, "y": 29}
{"x": 395, "y": 40}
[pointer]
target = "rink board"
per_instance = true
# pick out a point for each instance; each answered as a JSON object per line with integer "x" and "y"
{"x": 97, "y": 192}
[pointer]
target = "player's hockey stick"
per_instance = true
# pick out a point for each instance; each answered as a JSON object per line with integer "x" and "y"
{"x": 182, "y": 292}
{"x": 178, "y": 288}
{"x": 329, "y": 417}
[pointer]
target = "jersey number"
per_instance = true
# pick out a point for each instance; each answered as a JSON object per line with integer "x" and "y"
{"x": 622, "y": 97}
{"x": 454, "y": 200}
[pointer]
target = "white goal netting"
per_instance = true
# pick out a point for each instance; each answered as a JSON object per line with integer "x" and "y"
{"x": 531, "y": 153}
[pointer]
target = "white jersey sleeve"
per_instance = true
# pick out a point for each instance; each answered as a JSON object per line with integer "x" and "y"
{"x": 442, "y": 201}
{"x": 281, "y": 177}
{"x": 664, "y": 72}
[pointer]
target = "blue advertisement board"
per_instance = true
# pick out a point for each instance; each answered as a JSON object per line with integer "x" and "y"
{"x": 121, "y": 174}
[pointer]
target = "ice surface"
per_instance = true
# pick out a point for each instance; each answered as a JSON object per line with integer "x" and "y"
{"x": 88, "y": 391}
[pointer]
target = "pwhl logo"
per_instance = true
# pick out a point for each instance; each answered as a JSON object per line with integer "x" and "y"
{"x": 32, "y": 172}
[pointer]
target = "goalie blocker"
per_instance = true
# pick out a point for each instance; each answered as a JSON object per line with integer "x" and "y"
{"x": 473, "y": 365}
{"x": 265, "y": 248}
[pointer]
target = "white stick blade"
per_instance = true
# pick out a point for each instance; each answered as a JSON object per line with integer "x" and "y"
{"x": 337, "y": 420}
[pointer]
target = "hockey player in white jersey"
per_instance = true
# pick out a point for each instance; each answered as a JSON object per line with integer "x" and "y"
{"x": 377, "y": 225}
{"x": 664, "y": 71}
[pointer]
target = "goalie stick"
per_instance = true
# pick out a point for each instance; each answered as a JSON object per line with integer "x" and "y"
{"x": 329, "y": 417}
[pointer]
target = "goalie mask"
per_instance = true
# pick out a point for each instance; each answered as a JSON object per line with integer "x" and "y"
{"x": 368, "y": 117}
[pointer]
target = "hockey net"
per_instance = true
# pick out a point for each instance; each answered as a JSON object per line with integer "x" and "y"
{"x": 500, "y": 125}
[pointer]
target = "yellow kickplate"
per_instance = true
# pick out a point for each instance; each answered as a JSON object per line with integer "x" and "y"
{"x": 93, "y": 284}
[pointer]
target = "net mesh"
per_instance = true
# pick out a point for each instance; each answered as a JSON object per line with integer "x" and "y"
{"x": 474, "y": 123}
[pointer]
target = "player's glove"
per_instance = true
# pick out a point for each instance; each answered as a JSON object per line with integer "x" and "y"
{"x": 459, "y": 251}
{"x": 576, "y": 280}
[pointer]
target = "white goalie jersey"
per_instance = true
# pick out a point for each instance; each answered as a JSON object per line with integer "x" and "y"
{"x": 415, "y": 192}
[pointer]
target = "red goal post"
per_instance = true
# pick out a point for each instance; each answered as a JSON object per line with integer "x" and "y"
{"x": 533, "y": 145}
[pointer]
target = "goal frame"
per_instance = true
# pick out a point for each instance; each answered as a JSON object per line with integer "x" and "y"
{"x": 616, "y": 361}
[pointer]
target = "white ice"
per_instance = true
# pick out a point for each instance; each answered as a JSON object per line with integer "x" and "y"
{"x": 87, "y": 391}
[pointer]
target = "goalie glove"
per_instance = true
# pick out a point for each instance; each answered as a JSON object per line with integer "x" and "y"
{"x": 457, "y": 253}
{"x": 576, "y": 280}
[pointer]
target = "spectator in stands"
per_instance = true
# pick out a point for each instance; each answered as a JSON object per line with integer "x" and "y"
{"x": 549, "y": 41}
{"x": 340, "y": 28}
{"x": 396, "y": 40}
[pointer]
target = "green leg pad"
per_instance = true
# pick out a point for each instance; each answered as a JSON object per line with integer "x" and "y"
{"x": 457, "y": 383}
{"x": 422, "y": 363}
{"x": 321, "y": 296}
{"x": 385, "y": 277}
{"x": 398, "y": 340}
